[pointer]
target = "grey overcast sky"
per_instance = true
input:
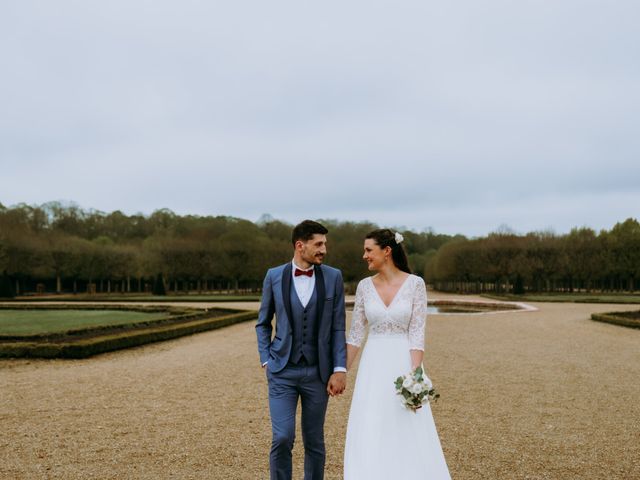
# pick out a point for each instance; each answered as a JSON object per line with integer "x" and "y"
{"x": 460, "y": 115}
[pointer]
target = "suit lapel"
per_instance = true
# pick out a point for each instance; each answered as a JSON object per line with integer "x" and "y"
{"x": 286, "y": 291}
{"x": 320, "y": 294}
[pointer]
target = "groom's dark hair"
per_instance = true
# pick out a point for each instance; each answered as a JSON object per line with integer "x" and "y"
{"x": 306, "y": 230}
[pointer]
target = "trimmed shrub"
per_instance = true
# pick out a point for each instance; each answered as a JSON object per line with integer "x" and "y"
{"x": 481, "y": 305}
{"x": 116, "y": 298}
{"x": 174, "y": 315}
{"x": 87, "y": 347}
{"x": 625, "y": 319}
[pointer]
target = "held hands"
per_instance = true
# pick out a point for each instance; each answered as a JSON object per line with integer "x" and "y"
{"x": 337, "y": 384}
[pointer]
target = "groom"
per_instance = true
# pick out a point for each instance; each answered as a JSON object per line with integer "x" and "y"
{"x": 306, "y": 358}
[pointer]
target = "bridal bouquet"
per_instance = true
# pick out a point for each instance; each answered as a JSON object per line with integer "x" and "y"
{"x": 416, "y": 389}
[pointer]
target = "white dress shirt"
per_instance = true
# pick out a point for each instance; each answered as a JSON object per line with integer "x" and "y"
{"x": 304, "y": 285}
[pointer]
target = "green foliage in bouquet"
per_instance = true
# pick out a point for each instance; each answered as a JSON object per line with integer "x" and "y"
{"x": 415, "y": 389}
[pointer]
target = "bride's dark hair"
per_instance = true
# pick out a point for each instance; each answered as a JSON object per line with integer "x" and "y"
{"x": 386, "y": 238}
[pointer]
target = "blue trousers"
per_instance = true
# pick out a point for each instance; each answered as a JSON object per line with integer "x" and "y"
{"x": 285, "y": 388}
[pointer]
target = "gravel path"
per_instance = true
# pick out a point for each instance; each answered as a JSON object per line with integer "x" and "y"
{"x": 548, "y": 394}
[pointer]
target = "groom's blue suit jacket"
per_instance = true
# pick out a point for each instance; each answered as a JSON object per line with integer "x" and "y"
{"x": 330, "y": 323}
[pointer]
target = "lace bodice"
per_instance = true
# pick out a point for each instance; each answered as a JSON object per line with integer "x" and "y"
{"x": 405, "y": 315}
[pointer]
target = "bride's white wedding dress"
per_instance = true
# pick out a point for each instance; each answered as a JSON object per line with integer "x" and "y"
{"x": 385, "y": 440}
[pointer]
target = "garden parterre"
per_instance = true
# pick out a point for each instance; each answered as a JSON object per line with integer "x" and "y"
{"x": 548, "y": 394}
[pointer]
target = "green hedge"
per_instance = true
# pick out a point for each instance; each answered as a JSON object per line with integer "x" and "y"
{"x": 625, "y": 319}
{"x": 132, "y": 308}
{"x": 124, "y": 298}
{"x": 483, "y": 305}
{"x": 624, "y": 299}
{"x": 175, "y": 315}
{"x": 105, "y": 343}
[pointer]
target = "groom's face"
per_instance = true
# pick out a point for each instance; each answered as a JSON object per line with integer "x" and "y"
{"x": 314, "y": 249}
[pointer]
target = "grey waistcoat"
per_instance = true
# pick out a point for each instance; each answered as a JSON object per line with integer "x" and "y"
{"x": 305, "y": 333}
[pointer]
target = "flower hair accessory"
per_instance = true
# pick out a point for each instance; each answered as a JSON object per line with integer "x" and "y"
{"x": 399, "y": 238}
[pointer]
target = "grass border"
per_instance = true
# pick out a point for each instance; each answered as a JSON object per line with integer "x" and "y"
{"x": 533, "y": 298}
{"x": 172, "y": 315}
{"x": 135, "y": 299}
{"x": 87, "y": 347}
{"x": 132, "y": 308}
{"x": 616, "y": 318}
{"x": 483, "y": 305}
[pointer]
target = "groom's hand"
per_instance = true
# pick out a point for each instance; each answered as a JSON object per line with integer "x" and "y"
{"x": 337, "y": 383}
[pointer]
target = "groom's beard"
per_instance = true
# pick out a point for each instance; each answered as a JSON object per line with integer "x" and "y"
{"x": 316, "y": 259}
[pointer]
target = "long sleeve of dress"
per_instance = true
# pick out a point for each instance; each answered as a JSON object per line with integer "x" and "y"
{"x": 358, "y": 319}
{"x": 418, "y": 316}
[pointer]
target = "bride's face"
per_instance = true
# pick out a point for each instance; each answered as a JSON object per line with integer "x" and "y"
{"x": 375, "y": 256}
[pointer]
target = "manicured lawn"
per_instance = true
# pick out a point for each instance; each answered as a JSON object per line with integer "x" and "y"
{"x": 571, "y": 297}
{"x": 194, "y": 298}
{"x": 35, "y": 322}
{"x": 141, "y": 298}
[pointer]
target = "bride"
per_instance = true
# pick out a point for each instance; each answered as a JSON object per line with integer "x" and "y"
{"x": 385, "y": 440}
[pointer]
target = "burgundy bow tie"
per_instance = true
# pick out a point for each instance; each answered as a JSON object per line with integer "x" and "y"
{"x": 308, "y": 273}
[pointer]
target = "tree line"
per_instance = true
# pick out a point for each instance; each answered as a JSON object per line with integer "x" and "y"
{"x": 63, "y": 248}
{"x": 583, "y": 259}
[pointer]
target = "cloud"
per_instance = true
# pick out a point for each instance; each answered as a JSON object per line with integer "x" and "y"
{"x": 459, "y": 116}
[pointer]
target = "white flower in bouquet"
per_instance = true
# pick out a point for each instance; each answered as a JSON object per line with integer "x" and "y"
{"x": 415, "y": 389}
